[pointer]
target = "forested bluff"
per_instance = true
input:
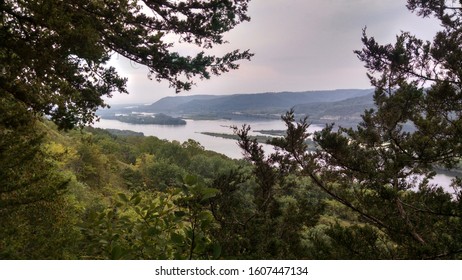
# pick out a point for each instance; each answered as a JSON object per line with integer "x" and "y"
{"x": 69, "y": 191}
{"x": 120, "y": 195}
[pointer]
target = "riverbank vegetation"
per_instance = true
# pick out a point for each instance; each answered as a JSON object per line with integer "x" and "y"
{"x": 161, "y": 119}
{"x": 122, "y": 196}
{"x": 270, "y": 138}
{"x": 69, "y": 191}
{"x": 116, "y": 195}
{"x": 260, "y": 138}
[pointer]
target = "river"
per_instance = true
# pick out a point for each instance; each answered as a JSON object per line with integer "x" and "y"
{"x": 194, "y": 128}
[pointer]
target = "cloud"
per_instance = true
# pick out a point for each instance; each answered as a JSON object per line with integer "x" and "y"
{"x": 298, "y": 45}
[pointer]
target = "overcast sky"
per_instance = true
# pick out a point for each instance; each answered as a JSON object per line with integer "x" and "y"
{"x": 299, "y": 45}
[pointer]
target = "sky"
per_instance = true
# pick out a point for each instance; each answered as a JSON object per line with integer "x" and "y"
{"x": 299, "y": 45}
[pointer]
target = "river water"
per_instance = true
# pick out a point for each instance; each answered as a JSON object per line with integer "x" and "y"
{"x": 193, "y": 129}
{"x": 228, "y": 147}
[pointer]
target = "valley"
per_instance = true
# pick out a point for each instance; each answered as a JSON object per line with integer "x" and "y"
{"x": 342, "y": 106}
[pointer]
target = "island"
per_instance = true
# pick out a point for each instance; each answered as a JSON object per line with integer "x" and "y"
{"x": 138, "y": 118}
{"x": 260, "y": 138}
{"x": 264, "y": 139}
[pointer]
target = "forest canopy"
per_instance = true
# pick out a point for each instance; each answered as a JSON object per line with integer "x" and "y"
{"x": 347, "y": 193}
{"x": 379, "y": 170}
{"x": 54, "y": 54}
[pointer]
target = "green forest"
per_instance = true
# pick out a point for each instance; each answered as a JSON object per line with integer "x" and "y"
{"x": 101, "y": 195}
{"x": 96, "y": 194}
{"x": 149, "y": 119}
{"x": 70, "y": 191}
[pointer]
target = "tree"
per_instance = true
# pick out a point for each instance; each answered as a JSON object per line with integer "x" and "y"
{"x": 53, "y": 62}
{"x": 380, "y": 170}
{"x": 54, "y": 54}
{"x": 27, "y": 174}
{"x": 172, "y": 224}
{"x": 33, "y": 214}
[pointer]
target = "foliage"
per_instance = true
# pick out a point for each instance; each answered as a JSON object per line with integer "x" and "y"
{"x": 344, "y": 106}
{"x": 132, "y": 227}
{"x": 350, "y": 193}
{"x": 26, "y": 172}
{"x": 279, "y": 208}
{"x": 54, "y": 63}
{"x": 391, "y": 210}
{"x": 380, "y": 170}
{"x": 110, "y": 198}
{"x": 173, "y": 201}
{"x": 161, "y": 119}
{"x": 54, "y": 54}
{"x": 173, "y": 224}
{"x": 419, "y": 83}
{"x": 33, "y": 214}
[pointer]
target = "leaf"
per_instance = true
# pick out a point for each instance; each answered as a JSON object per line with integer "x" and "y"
{"x": 176, "y": 238}
{"x": 205, "y": 216}
{"x": 103, "y": 242}
{"x": 179, "y": 214}
{"x": 216, "y": 250}
{"x": 190, "y": 179}
{"x": 116, "y": 252}
{"x": 154, "y": 231}
{"x": 208, "y": 193}
{"x": 136, "y": 200}
{"x": 122, "y": 197}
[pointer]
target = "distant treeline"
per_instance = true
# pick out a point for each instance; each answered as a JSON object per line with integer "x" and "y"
{"x": 161, "y": 119}
{"x": 340, "y": 106}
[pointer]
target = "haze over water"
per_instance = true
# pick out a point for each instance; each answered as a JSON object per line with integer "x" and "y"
{"x": 228, "y": 147}
{"x": 193, "y": 129}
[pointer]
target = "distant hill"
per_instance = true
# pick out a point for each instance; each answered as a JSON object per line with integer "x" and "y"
{"x": 257, "y": 102}
{"x": 172, "y": 103}
{"x": 345, "y": 112}
{"x": 322, "y": 106}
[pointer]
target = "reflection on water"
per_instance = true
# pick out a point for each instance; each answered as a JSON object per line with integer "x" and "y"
{"x": 228, "y": 147}
{"x": 193, "y": 129}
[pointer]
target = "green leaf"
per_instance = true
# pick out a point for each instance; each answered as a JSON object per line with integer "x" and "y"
{"x": 176, "y": 238}
{"x": 122, "y": 197}
{"x": 119, "y": 204}
{"x": 116, "y": 252}
{"x": 208, "y": 193}
{"x": 136, "y": 200}
{"x": 216, "y": 250}
{"x": 205, "y": 215}
{"x": 179, "y": 214}
{"x": 190, "y": 179}
{"x": 154, "y": 231}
